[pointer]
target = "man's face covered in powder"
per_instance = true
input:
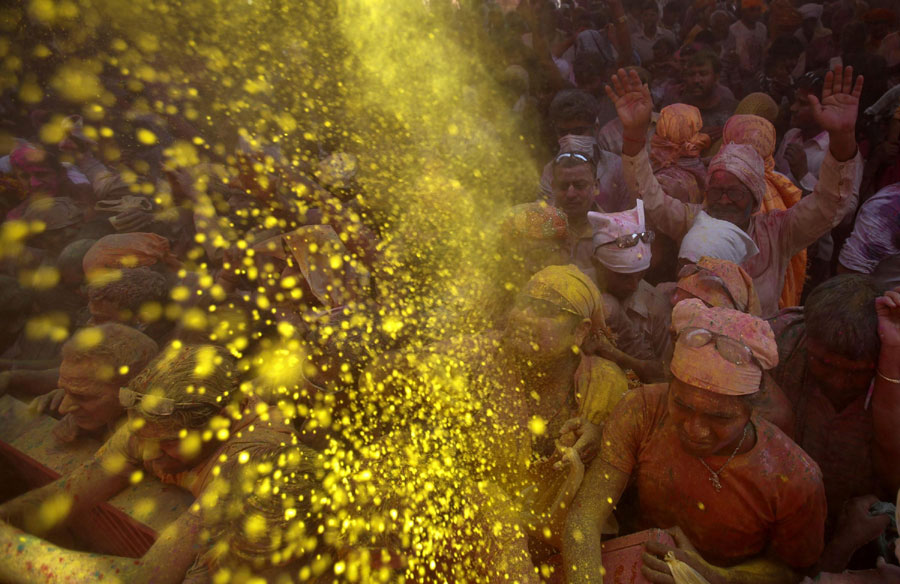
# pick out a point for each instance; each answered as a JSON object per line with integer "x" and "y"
{"x": 90, "y": 397}
{"x": 728, "y": 199}
{"x": 539, "y": 329}
{"x": 168, "y": 449}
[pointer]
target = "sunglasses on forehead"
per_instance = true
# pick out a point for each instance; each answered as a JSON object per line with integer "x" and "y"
{"x": 730, "y": 349}
{"x": 631, "y": 240}
{"x": 150, "y": 404}
{"x": 573, "y": 156}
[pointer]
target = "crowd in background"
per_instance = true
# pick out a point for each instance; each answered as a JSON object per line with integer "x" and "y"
{"x": 691, "y": 322}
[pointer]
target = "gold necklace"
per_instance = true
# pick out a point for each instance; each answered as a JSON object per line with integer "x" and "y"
{"x": 714, "y": 474}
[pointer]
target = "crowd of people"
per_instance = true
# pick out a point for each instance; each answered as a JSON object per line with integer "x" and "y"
{"x": 690, "y": 321}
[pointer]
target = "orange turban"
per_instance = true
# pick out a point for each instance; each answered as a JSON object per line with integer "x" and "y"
{"x": 760, "y": 133}
{"x": 781, "y": 193}
{"x": 721, "y": 284}
{"x": 129, "y": 250}
{"x": 705, "y": 367}
{"x": 677, "y": 135}
{"x": 535, "y": 221}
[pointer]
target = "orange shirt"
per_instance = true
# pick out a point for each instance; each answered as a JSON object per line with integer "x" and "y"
{"x": 772, "y": 497}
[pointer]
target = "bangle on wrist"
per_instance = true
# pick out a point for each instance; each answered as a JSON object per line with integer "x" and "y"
{"x": 886, "y": 378}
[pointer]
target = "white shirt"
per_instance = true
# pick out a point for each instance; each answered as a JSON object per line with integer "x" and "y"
{"x": 815, "y": 149}
{"x": 643, "y": 44}
{"x": 749, "y": 44}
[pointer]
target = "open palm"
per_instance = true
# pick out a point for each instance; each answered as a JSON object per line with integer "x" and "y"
{"x": 837, "y": 110}
{"x": 632, "y": 100}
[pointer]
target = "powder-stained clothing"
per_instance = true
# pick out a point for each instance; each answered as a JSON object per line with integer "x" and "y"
{"x": 748, "y": 44}
{"x": 772, "y": 499}
{"x": 723, "y": 284}
{"x": 517, "y": 459}
{"x": 778, "y": 234}
{"x": 874, "y": 246}
{"x": 129, "y": 250}
{"x": 781, "y": 193}
{"x": 581, "y": 249}
{"x": 647, "y": 311}
{"x": 259, "y": 429}
{"x": 840, "y": 442}
{"x": 675, "y": 152}
{"x": 714, "y": 117}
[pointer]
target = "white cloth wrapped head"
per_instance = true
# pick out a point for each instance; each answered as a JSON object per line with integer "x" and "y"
{"x": 714, "y": 238}
{"x": 608, "y": 227}
{"x": 811, "y": 10}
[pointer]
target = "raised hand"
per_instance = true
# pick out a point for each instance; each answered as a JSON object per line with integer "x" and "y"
{"x": 887, "y": 308}
{"x": 632, "y": 100}
{"x": 837, "y": 110}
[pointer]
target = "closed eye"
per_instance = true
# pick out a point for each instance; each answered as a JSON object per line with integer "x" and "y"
{"x": 721, "y": 416}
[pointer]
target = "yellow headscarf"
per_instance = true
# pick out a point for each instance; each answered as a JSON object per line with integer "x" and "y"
{"x": 566, "y": 287}
{"x": 571, "y": 290}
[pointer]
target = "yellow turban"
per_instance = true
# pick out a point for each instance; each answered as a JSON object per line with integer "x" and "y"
{"x": 570, "y": 289}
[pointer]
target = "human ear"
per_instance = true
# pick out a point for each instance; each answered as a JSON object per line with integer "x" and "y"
{"x": 582, "y": 331}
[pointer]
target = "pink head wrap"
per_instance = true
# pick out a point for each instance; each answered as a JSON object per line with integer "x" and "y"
{"x": 745, "y": 163}
{"x": 755, "y": 131}
{"x": 609, "y": 226}
{"x": 705, "y": 367}
{"x": 28, "y": 157}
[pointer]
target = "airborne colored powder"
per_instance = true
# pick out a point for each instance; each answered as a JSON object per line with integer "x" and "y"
{"x": 240, "y": 108}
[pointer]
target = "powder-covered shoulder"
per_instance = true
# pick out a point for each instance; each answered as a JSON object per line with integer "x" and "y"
{"x": 781, "y": 458}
